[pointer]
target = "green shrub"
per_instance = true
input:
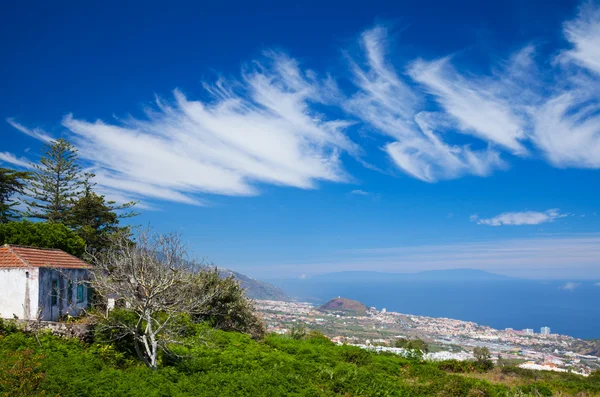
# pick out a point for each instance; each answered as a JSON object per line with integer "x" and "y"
{"x": 355, "y": 355}
{"x": 7, "y": 326}
{"x": 42, "y": 235}
{"x": 298, "y": 331}
{"x": 212, "y": 362}
{"x": 457, "y": 367}
{"x": 412, "y": 344}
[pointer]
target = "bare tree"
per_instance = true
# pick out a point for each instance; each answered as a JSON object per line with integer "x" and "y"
{"x": 151, "y": 278}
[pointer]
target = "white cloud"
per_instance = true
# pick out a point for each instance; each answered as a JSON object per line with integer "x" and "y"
{"x": 520, "y": 218}
{"x": 567, "y": 125}
{"x": 439, "y": 121}
{"x": 430, "y": 159}
{"x": 570, "y": 286}
{"x": 482, "y": 107}
{"x": 567, "y": 130}
{"x": 10, "y": 158}
{"x": 391, "y": 107}
{"x": 359, "y": 192}
{"x": 261, "y": 129}
{"x": 584, "y": 33}
{"x": 36, "y": 133}
{"x": 554, "y": 108}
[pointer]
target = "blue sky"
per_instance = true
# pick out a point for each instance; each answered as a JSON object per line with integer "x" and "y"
{"x": 286, "y": 140}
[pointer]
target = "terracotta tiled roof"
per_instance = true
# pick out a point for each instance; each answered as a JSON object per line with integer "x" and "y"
{"x": 19, "y": 256}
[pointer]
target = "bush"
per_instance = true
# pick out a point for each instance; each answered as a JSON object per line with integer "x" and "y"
{"x": 483, "y": 358}
{"x": 298, "y": 331}
{"x": 412, "y": 344}
{"x": 457, "y": 367}
{"x": 355, "y": 355}
{"x": 20, "y": 374}
{"x": 7, "y": 326}
{"x": 536, "y": 390}
{"x": 42, "y": 235}
{"x": 107, "y": 332}
{"x": 316, "y": 337}
{"x": 520, "y": 372}
{"x": 227, "y": 307}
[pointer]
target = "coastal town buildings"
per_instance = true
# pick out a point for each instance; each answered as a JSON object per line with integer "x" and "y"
{"x": 450, "y": 338}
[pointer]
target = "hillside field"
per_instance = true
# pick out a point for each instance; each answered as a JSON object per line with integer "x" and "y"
{"x": 217, "y": 363}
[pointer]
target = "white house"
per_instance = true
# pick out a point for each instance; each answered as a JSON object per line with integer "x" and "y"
{"x": 39, "y": 281}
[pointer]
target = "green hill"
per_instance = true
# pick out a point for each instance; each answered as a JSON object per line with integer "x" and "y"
{"x": 217, "y": 363}
{"x": 344, "y": 306}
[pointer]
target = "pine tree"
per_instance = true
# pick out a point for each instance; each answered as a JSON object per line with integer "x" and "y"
{"x": 55, "y": 182}
{"x": 94, "y": 219}
{"x": 11, "y": 182}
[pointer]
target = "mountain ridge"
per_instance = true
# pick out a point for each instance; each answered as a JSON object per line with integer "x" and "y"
{"x": 460, "y": 274}
{"x": 256, "y": 289}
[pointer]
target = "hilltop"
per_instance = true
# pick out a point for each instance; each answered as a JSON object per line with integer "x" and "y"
{"x": 344, "y": 306}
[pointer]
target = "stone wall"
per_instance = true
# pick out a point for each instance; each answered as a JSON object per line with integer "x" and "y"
{"x": 83, "y": 332}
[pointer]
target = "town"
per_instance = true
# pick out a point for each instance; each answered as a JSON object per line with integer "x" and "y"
{"x": 447, "y": 338}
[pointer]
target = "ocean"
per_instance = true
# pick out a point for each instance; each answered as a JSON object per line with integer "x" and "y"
{"x": 567, "y": 308}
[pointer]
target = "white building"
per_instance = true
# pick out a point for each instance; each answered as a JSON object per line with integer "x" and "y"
{"x": 48, "y": 283}
{"x": 545, "y": 330}
{"x": 528, "y": 331}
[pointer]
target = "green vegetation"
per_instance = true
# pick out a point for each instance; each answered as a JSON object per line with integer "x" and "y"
{"x": 94, "y": 219}
{"x": 54, "y": 182}
{"x": 225, "y": 305}
{"x": 483, "y": 358}
{"x": 11, "y": 183}
{"x": 162, "y": 294}
{"x": 210, "y": 362}
{"x": 58, "y": 193}
{"x": 412, "y": 344}
{"x": 43, "y": 235}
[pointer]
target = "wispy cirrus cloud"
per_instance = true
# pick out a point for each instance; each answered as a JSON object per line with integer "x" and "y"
{"x": 483, "y": 107}
{"x": 584, "y": 34}
{"x": 6, "y": 157}
{"x": 437, "y": 121}
{"x": 520, "y": 218}
{"x": 392, "y": 107}
{"x": 36, "y": 133}
{"x": 554, "y": 108}
{"x": 259, "y": 129}
{"x": 567, "y": 125}
{"x": 359, "y": 192}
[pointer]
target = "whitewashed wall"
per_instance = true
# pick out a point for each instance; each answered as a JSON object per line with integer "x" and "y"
{"x": 19, "y": 294}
